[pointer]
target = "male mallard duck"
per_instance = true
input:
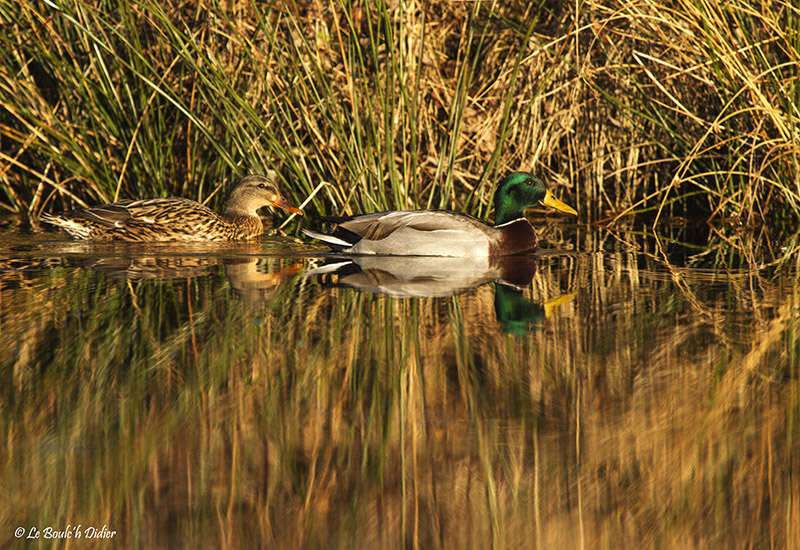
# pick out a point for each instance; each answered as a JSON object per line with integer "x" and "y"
{"x": 445, "y": 233}
{"x": 176, "y": 219}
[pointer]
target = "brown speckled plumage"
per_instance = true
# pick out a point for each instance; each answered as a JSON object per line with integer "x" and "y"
{"x": 176, "y": 219}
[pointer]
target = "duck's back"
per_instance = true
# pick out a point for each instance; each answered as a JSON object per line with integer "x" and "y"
{"x": 413, "y": 232}
{"x": 166, "y": 219}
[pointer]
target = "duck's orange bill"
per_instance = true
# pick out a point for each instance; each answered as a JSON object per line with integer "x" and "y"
{"x": 280, "y": 202}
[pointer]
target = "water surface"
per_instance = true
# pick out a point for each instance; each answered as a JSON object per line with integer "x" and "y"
{"x": 614, "y": 391}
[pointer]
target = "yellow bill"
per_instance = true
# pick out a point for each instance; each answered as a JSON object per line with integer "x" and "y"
{"x": 551, "y": 201}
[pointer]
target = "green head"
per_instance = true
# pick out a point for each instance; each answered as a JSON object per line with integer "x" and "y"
{"x": 519, "y": 191}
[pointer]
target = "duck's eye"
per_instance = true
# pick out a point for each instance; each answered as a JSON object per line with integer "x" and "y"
{"x": 262, "y": 185}
{"x": 528, "y": 182}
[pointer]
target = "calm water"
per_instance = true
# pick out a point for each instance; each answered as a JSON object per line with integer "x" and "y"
{"x": 614, "y": 391}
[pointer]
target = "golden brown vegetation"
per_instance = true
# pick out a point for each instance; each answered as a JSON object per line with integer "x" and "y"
{"x": 626, "y": 106}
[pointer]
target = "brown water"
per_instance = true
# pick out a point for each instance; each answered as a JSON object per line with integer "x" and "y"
{"x": 614, "y": 391}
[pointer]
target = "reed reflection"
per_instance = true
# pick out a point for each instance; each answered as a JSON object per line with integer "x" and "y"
{"x": 347, "y": 409}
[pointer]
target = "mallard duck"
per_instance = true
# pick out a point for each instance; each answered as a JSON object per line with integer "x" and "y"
{"x": 176, "y": 219}
{"x": 446, "y": 233}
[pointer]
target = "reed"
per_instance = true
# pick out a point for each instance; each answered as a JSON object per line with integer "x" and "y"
{"x": 712, "y": 84}
{"x": 678, "y": 109}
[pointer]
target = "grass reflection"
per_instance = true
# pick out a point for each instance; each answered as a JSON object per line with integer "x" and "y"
{"x": 656, "y": 407}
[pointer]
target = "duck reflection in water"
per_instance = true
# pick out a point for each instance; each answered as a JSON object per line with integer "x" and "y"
{"x": 253, "y": 277}
{"x": 429, "y": 276}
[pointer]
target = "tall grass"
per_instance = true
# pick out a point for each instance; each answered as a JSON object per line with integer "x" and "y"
{"x": 717, "y": 86}
{"x": 627, "y": 106}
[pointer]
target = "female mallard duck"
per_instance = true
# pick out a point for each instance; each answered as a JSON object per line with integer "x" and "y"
{"x": 445, "y": 233}
{"x": 176, "y": 219}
